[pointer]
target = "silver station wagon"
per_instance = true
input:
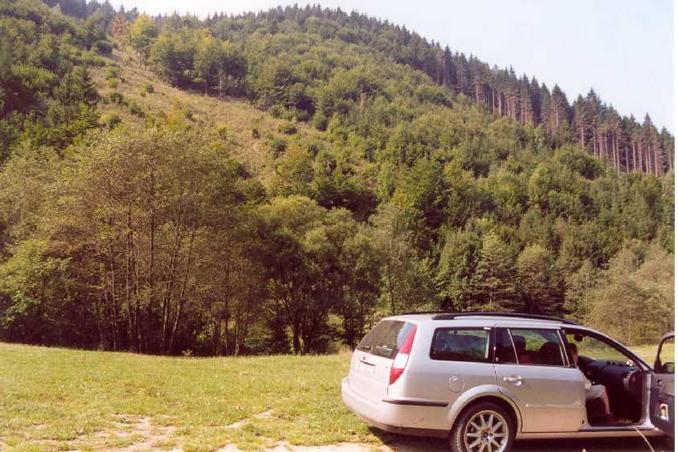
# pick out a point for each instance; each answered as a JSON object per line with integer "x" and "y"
{"x": 485, "y": 379}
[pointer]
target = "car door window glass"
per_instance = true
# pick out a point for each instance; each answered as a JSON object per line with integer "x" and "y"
{"x": 386, "y": 338}
{"x": 457, "y": 344}
{"x": 538, "y": 346}
{"x": 666, "y": 360}
{"x": 504, "y": 353}
{"x": 591, "y": 349}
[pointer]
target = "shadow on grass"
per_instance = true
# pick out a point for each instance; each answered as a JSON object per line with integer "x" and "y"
{"x": 402, "y": 443}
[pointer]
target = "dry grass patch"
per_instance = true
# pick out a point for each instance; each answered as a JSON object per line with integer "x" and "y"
{"x": 245, "y": 131}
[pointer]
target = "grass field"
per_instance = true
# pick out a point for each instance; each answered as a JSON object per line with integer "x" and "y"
{"x": 66, "y": 399}
{"x": 54, "y": 398}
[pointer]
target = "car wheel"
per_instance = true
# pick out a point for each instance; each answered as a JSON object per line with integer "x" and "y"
{"x": 483, "y": 427}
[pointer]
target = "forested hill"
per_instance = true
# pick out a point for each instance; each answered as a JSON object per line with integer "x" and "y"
{"x": 619, "y": 140}
{"x": 278, "y": 181}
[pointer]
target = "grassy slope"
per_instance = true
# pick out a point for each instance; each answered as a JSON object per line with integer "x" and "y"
{"x": 67, "y": 399}
{"x": 236, "y": 117}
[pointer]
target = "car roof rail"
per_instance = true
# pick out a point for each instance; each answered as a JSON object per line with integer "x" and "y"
{"x": 454, "y": 315}
{"x": 423, "y": 312}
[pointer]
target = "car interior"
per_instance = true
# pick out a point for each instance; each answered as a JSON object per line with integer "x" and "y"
{"x": 604, "y": 365}
{"x": 546, "y": 352}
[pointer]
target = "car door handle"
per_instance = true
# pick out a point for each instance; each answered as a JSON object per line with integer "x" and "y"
{"x": 514, "y": 379}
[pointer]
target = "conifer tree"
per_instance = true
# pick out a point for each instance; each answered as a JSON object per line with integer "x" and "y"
{"x": 494, "y": 282}
{"x": 536, "y": 278}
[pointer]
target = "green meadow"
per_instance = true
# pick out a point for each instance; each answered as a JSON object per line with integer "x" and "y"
{"x": 59, "y": 399}
{"x": 69, "y": 399}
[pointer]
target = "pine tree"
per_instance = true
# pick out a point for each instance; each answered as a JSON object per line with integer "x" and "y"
{"x": 494, "y": 281}
{"x": 535, "y": 274}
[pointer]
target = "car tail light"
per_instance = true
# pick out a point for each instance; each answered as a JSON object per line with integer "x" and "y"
{"x": 400, "y": 361}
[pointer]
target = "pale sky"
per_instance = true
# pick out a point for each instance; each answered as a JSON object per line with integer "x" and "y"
{"x": 623, "y": 49}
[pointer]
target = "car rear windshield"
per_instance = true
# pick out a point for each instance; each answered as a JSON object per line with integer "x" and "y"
{"x": 386, "y": 338}
{"x": 461, "y": 344}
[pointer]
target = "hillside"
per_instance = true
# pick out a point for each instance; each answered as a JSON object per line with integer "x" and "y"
{"x": 245, "y": 131}
{"x": 278, "y": 182}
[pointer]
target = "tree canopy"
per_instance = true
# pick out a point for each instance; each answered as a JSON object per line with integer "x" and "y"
{"x": 380, "y": 174}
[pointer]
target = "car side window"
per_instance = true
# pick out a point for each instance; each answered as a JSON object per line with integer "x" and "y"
{"x": 538, "y": 346}
{"x": 664, "y": 364}
{"x": 590, "y": 348}
{"x": 504, "y": 352}
{"x": 461, "y": 344}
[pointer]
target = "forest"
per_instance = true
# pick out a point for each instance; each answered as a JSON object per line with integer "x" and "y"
{"x": 378, "y": 173}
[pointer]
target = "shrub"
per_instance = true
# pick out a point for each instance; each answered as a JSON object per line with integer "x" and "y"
{"x": 149, "y": 88}
{"x": 276, "y": 111}
{"x": 313, "y": 149}
{"x": 277, "y": 147}
{"x": 222, "y": 131}
{"x": 319, "y": 121}
{"x": 112, "y": 83}
{"x": 102, "y": 47}
{"x": 117, "y": 98}
{"x": 110, "y": 120}
{"x": 136, "y": 109}
{"x": 112, "y": 72}
{"x": 287, "y": 128}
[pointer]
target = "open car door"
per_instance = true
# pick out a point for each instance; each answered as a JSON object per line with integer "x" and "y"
{"x": 662, "y": 392}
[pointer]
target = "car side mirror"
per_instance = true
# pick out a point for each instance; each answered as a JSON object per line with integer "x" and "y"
{"x": 668, "y": 368}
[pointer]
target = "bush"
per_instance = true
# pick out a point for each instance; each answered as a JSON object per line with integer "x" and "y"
{"x": 277, "y": 147}
{"x": 319, "y": 121}
{"x": 149, "y": 88}
{"x": 314, "y": 148}
{"x": 222, "y": 131}
{"x": 112, "y": 72}
{"x": 102, "y": 47}
{"x": 276, "y": 111}
{"x": 287, "y": 128}
{"x": 117, "y": 98}
{"x": 136, "y": 110}
{"x": 112, "y": 83}
{"x": 111, "y": 120}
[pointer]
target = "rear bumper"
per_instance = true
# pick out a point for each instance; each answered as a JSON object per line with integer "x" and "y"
{"x": 395, "y": 416}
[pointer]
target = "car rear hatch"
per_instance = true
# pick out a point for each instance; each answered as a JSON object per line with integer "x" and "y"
{"x": 372, "y": 361}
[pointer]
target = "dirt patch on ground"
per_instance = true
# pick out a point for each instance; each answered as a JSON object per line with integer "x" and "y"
{"x": 131, "y": 433}
{"x": 152, "y": 436}
{"x": 243, "y": 422}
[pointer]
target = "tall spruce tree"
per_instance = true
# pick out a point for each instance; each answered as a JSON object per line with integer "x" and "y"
{"x": 494, "y": 287}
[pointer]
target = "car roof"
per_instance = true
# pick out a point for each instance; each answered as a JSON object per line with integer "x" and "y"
{"x": 483, "y": 318}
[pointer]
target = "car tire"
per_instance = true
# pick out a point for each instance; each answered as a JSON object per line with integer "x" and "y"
{"x": 482, "y": 424}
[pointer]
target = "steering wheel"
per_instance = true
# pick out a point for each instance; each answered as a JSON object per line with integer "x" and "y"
{"x": 633, "y": 383}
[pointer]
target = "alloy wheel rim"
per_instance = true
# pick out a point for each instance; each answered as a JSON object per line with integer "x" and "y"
{"x": 486, "y": 431}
